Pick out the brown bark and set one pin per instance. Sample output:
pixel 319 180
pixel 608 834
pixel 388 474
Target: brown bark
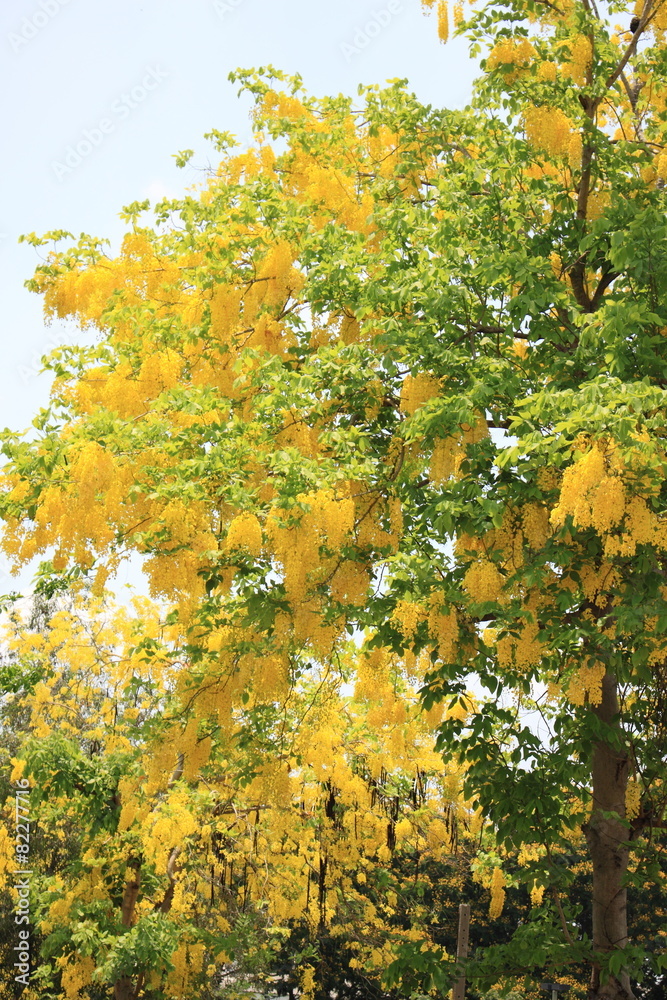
pixel 608 847
pixel 123 988
pixel 168 898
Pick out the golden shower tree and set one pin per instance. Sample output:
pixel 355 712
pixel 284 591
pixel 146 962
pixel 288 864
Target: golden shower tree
pixel 176 844
pixel 400 377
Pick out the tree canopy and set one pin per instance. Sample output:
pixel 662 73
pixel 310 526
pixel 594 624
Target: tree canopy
pixel 384 398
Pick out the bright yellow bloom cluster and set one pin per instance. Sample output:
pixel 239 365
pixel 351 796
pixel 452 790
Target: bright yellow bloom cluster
pixel 245 533
pixel 528 853
pixel 446 459
pixel 483 581
pixel 547 70
pixel 511 52
pixel 586 682
pixel 449 452
pixel 417 390
pixel 548 130
pixel 498 883
pixel 535 522
pixel 536 894
pixel 658 21
pixel 581 55
pixel 519 525
pixel 443 20
pixel 172 824
pixel 7 855
pixel 598 581
pixel 474 433
pixel 350 583
pixel 307 978
pixel 523 651
pixel 187 961
pixel 598 201
pixel 643 527
pixel 224 306
pixel 277 104
pixel 548 478
pixel 76 974
pixel 408 615
pixel 591 496
pixel 633 796
pixel 594 495
pixel 327 522
pixel 443 627
pixel 159 371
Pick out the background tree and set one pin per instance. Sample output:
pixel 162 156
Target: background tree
pixel 402 377
pixel 174 853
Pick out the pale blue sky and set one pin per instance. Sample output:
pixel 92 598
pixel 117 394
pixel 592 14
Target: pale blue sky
pixel 145 80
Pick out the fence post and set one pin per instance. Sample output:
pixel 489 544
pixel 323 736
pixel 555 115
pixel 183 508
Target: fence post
pixel 458 993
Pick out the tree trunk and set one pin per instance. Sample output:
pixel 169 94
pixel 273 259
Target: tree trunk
pixel 124 987
pixel 607 843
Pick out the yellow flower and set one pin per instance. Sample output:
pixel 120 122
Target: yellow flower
pixel 581 55
pixel 417 390
pixel 497 893
pixel 536 894
pixel 482 581
pixel 307 978
pixel 547 71
pixel 18 769
pixel 245 533
pixel 443 20
pixel 408 615
pixel 633 795
pixel 549 130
